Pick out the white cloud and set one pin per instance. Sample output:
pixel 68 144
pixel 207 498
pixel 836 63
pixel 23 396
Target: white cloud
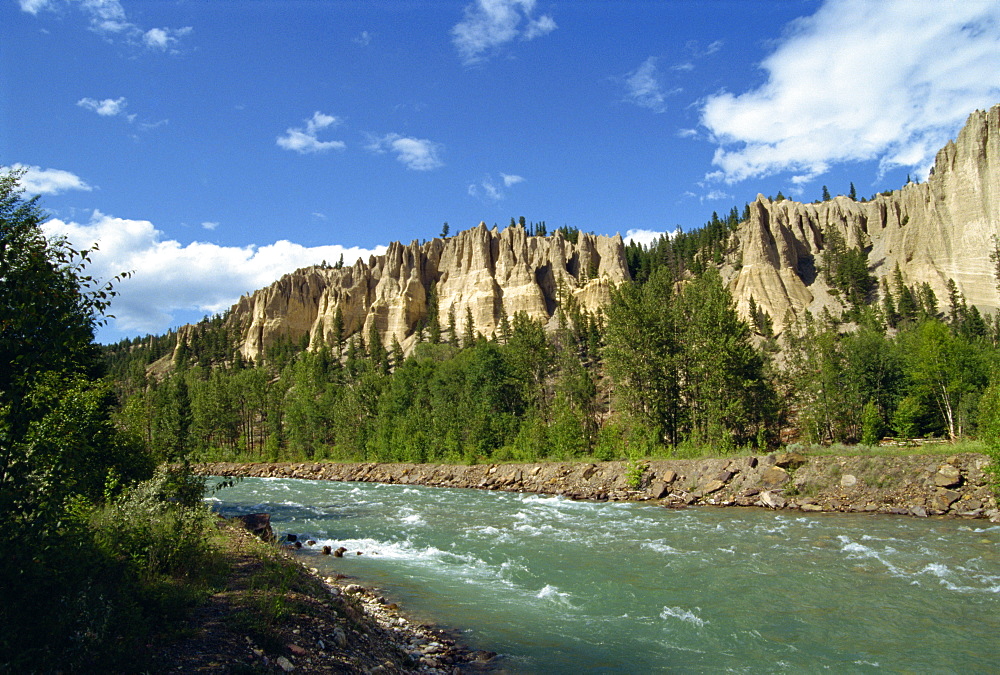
pixel 859 80
pixel 699 52
pixel 169 277
pixel 108 18
pixel 304 140
pixel 418 154
pixel 209 225
pixel 364 39
pixel 488 24
pixel 489 190
pixel 644 87
pixel 39 181
pixel 33 6
pixel 163 38
pixel 109 107
pixel 715 195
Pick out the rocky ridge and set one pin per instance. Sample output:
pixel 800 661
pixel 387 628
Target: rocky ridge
pixel 915 485
pixel 480 272
pixel 935 231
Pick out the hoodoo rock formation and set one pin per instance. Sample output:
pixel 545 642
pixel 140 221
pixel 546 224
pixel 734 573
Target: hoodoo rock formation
pixel 479 272
pixel 935 231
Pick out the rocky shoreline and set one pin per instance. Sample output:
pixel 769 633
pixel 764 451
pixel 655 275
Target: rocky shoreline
pixel 914 485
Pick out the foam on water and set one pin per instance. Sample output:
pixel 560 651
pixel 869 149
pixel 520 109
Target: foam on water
pixel 660 547
pixel 685 615
pixel 857 550
pixel 949 579
pixel 553 594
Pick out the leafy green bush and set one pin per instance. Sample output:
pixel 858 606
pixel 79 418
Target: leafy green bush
pixel 989 429
pixel 157 526
pixel 635 471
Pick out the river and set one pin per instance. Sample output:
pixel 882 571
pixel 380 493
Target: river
pixel 560 586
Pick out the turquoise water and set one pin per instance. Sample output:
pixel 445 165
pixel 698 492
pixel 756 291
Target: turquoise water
pixel 557 586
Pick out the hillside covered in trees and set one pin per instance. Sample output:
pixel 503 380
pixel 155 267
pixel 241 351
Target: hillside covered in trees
pixel 667 367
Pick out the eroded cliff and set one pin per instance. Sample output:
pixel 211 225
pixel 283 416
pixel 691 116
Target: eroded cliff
pixel 482 272
pixel 935 231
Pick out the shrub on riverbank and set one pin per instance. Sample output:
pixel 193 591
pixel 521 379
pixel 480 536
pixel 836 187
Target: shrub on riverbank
pixel 122 573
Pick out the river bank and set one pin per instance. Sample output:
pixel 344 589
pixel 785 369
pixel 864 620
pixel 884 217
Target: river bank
pixel 913 485
pixel 274 614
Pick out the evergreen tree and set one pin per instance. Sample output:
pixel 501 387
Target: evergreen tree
pixel 397 352
pixel 452 327
pixel 376 350
pixel 642 353
pixel 433 322
pixel 469 333
pixel 503 326
pixel 338 332
pixel 906 303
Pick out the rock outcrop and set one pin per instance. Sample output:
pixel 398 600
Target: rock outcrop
pixel 479 272
pixel 935 231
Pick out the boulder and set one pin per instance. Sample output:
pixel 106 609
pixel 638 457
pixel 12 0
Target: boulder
pixel 772 500
pixel 948 476
pixel 789 460
pixel 774 477
pixel 712 486
pixel 848 480
pixel 943 499
pixel 257 523
pixel 658 490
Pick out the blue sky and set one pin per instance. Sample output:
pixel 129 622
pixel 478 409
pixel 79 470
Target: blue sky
pixel 213 146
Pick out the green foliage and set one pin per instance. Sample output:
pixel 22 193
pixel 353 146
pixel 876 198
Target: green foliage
pixel 635 472
pixel 683 252
pixel 989 428
pixel 944 370
pixel 684 362
pixel 846 269
pixel 60 455
pixel 159 526
pixel 871 424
